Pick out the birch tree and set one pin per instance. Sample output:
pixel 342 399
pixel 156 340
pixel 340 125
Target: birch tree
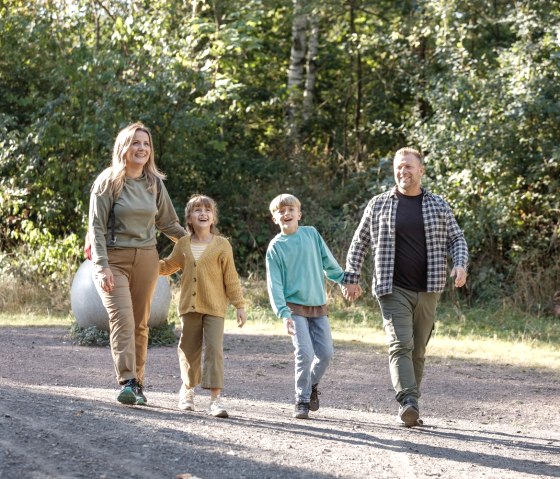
pixel 311 67
pixel 296 69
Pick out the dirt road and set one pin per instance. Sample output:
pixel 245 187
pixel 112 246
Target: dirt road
pixel 59 417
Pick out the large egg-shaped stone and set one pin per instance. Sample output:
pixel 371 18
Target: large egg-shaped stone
pixel 88 308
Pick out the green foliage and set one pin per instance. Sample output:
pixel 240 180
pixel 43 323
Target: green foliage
pixel 492 135
pixel 498 321
pixel 44 261
pixel 473 84
pixel 161 335
pixel 88 336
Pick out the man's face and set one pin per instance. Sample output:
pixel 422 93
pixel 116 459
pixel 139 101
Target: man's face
pixel 408 174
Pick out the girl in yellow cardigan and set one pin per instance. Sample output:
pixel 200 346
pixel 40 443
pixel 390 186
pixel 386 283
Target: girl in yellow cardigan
pixel 209 282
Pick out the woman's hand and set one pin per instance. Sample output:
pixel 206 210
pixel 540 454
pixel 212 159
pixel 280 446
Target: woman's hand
pixel 106 280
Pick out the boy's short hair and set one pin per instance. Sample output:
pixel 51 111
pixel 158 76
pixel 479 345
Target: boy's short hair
pixel 282 200
pixel 410 151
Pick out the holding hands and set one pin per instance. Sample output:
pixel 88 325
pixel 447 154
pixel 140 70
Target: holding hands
pixel 351 292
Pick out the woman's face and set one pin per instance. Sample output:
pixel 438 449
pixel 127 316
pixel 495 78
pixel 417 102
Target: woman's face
pixel 139 151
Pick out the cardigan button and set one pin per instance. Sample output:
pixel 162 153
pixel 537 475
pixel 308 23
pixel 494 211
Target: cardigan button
pixel 194 294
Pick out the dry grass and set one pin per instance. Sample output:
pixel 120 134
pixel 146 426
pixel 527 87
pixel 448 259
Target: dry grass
pixel 20 298
pixel 35 320
pixel 471 348
pixel 535 285
pixel 474 337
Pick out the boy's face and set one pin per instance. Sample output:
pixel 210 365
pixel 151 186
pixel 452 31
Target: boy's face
pixel 287 217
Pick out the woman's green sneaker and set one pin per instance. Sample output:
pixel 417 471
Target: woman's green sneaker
pixel 130 395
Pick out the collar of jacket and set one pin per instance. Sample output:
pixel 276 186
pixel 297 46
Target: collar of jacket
pixel 393 192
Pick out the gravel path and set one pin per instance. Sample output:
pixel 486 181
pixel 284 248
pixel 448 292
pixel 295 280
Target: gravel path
pixel 59 417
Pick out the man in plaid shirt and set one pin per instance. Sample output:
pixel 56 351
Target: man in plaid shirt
pixel 411 232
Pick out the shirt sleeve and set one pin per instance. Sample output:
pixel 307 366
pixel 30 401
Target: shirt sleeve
pixel 275 285
pixel 332 269
pixel 167 220
pixel 456 243
pixel 359 246
pixel 100 205
pixel 232 284
pixel 173 263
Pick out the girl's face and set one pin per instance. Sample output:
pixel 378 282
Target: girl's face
pixel 201 217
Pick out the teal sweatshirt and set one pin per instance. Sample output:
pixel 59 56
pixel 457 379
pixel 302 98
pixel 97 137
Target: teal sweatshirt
pixel 296 266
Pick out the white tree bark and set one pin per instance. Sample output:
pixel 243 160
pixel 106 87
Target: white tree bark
pixel 297 64
pixel 311 73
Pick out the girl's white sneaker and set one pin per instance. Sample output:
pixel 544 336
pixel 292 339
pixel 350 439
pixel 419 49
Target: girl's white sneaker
pixel 186 398
pixel 216 408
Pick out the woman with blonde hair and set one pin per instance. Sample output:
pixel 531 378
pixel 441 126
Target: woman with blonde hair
pixel 128 203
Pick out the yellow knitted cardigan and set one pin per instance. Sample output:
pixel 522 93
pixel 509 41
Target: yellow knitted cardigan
pixel 209 284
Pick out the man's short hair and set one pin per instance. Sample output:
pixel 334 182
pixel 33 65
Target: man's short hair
pixel 410 151
pixel 282 200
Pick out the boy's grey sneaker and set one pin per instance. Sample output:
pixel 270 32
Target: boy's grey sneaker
pixel 129 393
pixel 419 422
pixel 301 410
pixel 186 398
pixel 409 414
pixel 314 400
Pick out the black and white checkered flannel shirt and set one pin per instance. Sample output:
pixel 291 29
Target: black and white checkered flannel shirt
pixel 377 230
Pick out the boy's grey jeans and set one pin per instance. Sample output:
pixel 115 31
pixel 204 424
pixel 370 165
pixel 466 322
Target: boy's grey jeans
pixel 408 320
pixel 313 351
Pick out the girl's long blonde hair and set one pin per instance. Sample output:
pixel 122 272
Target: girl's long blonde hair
pixel 114 176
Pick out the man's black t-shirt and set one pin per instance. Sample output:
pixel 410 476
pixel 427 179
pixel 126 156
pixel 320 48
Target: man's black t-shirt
pixel 411 259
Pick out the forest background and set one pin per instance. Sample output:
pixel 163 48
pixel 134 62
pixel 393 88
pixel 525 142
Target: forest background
pixel 249 99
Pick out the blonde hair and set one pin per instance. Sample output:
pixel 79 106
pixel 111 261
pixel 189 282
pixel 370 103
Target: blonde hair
pixel 282 200
pixel 206 202
pixel 114 176
pixel 410 151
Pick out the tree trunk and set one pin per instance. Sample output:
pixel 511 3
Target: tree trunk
pixel 311 74
pixel 296 69
pixel 358 81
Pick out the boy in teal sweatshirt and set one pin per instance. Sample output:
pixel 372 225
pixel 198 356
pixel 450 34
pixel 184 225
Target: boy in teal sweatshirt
pixel 297 261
